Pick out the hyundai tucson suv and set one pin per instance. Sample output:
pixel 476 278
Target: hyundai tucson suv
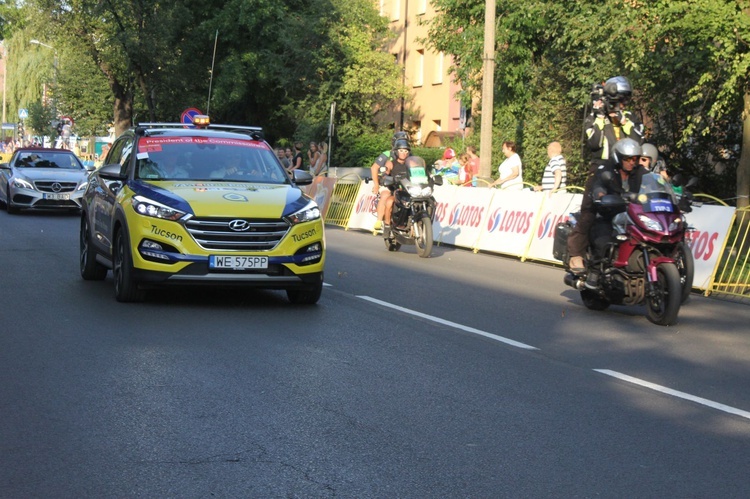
pixel 210 205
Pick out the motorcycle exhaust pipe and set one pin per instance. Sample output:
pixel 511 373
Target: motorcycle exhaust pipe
pixel 574 281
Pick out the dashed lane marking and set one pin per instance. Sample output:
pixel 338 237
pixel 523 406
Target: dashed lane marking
pixel 675 393
pixel 450 324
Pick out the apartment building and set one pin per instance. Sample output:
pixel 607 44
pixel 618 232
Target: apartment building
pixel 433 105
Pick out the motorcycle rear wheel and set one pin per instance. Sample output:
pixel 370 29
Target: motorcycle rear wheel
pixel 663 305
pixel 683 259
pixel 424 241
pixel 593 301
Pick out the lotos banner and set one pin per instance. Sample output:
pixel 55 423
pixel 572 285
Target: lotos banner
pixel 522 223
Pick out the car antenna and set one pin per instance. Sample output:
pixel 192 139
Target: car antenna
pixel 211 80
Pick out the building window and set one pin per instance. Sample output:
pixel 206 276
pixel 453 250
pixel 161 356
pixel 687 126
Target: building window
pixel 438 125
pixel 396 10
pixel 421 7
pixel 437 77
pixel 417 127
pixel 419 69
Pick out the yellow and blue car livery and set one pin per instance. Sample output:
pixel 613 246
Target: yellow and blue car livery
pixel 248 225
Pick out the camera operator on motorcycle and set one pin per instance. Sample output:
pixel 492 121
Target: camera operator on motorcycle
pixel 378 169
pixel 623 174
pixel 608 123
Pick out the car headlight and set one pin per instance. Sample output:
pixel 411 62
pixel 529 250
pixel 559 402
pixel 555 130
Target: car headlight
pixel 82 186
pixel 307 214
pixel 150 208
pixel 650 223
pixel 20 183
pixel 417 191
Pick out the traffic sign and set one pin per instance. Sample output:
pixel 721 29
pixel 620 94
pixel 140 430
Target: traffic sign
pixel 188 115
pixel 23 113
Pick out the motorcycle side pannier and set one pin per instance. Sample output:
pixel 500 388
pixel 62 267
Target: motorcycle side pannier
pixel 560 244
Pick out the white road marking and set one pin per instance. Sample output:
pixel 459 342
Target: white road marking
pixel 675 393
pixel 450 324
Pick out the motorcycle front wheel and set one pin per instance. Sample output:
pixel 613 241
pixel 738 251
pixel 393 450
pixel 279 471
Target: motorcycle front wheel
pixel 392 245
pixel 593 301
pixel 664 300
pixel 683 259
pixel 423 227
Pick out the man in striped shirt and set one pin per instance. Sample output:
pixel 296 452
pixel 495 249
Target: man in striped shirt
pixel 555 173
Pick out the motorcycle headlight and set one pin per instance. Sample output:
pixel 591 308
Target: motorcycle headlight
pixel 20 183
pixel 417 191
pixel 675 225
pixel 307 214
pixel 650 223
pixel 150 208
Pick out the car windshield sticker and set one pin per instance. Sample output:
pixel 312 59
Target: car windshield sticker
pixel 142 155
pixel 152 144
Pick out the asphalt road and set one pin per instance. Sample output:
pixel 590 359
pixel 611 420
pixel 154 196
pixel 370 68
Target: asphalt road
pixel 490 380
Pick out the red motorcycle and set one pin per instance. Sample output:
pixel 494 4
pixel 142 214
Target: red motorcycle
pixel 645 259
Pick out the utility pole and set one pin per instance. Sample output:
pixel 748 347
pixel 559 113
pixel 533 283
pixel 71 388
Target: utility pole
pixel 488 89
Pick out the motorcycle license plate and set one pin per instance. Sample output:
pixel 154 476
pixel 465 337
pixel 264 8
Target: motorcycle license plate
pixel 660 206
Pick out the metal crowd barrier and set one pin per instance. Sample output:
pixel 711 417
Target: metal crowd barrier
pixel 732 273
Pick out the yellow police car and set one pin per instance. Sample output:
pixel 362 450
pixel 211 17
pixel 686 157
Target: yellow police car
pixel 207 205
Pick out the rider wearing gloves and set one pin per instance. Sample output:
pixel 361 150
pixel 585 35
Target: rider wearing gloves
pixel 608 123
pixel 621 175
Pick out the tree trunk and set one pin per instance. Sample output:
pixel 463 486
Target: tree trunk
pixel 123 112
pixel 743 168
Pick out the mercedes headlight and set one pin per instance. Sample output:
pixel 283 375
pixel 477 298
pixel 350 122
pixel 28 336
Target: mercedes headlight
pixel 307 214
pixel 149 208
pixel 20 183
pixel 650 223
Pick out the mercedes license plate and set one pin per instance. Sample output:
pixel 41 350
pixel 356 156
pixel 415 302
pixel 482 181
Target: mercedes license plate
pixel 56 197
pixel 238 262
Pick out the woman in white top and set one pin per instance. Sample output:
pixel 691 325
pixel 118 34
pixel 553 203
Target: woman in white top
pixel 322 159
pixel 510 171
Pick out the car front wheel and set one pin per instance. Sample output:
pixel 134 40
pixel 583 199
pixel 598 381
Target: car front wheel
pixel 126 287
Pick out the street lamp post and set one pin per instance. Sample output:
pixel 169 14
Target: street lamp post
pixel 54 65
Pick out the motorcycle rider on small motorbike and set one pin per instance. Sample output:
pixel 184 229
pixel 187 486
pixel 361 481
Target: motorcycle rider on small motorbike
pixel 394 167
pixel 621 175
pixel 378 169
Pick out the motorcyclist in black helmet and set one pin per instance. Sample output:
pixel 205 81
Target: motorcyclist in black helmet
pixel 608 123
pixel 394 167
pixel 378 169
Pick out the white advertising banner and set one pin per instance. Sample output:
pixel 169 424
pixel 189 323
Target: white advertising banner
pixel 365 203
pixel 712 225
pixel 509 224
pixel 459 214
pixel 554 210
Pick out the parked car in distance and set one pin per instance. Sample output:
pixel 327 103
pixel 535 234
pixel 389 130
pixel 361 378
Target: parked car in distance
pixel 210 205
pixel 38 178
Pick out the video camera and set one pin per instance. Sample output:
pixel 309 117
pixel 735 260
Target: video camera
pixel 612 100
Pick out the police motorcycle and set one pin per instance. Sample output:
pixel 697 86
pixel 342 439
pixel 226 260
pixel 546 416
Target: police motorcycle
pixel 643 261
pixel 413 207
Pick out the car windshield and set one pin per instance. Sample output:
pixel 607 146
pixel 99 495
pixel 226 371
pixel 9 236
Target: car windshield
pixel 207 158
pixel 42 159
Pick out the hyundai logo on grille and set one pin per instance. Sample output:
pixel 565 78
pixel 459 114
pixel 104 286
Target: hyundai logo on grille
pixel 56 187
pixel 239 225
